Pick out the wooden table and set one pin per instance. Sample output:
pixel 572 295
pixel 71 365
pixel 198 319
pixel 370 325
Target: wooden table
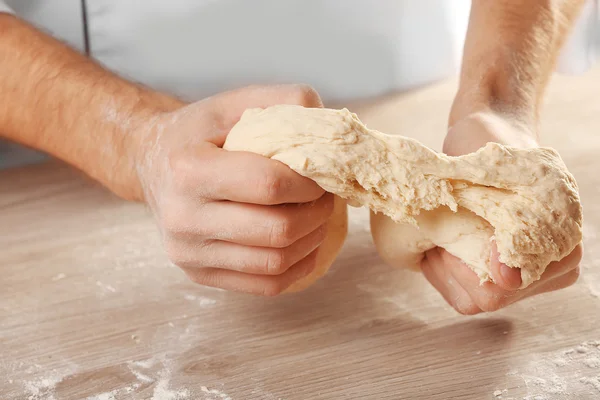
pixel 91 307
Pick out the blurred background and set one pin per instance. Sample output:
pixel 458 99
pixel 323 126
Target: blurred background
pixel 331 45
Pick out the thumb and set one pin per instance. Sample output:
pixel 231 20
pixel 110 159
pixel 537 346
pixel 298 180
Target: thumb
pixel 467 136
pixel 504 276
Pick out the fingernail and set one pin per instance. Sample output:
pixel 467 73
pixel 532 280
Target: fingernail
pixel 512 276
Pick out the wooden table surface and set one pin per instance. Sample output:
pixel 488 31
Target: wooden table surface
pixel 91 308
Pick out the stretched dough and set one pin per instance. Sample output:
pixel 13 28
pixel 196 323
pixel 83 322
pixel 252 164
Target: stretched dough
pixel 524 199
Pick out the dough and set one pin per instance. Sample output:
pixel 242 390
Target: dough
pixel 524 199
pixel 337 228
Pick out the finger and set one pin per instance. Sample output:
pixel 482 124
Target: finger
pixel 435 272
pixel 547 285
pixel 247 259
pixel 264 285
pixel 567 264
pixel 213 173
pixel 558 275
pixel 558 268
pixel 233 103
pixel 250 224
pixel 504 276
pixel 558 283
pixel 487 296
pixel 491 297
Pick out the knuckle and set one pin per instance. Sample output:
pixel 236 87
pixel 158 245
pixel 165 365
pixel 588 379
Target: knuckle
pixel 175 252
pixel 281 234
pixel 276 262
pixel 200 276
pixel 272 187
pixel 172 220
pixel 178 220
pixel 184 255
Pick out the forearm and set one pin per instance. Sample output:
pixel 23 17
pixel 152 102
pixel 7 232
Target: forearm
pixel 509 55
pixel 58 101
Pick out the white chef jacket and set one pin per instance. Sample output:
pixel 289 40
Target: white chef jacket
pixel 346 49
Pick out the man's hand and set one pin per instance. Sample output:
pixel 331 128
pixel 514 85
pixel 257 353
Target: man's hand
pixel 457 283
pixel 232 220
pixel 510 51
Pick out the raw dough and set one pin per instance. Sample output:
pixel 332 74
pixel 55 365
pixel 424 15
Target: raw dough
pixel 337 228
pixel 524 199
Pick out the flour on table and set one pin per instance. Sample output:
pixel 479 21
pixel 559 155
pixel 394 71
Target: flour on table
pixel 202 301
pixel 106 287
pixel 140 376
pixel 592 381
pixel 162 390
pixel 42 388
pixel 115 394
pixel 549 377
pixel 214 394
pixel 58 277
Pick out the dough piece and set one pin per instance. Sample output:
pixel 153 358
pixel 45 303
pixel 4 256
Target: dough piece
pixel 524 199
pixel 337 229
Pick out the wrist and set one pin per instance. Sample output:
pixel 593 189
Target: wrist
pixel 134 139
pixel 487 98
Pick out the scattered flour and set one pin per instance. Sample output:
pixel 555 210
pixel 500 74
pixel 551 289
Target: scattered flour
pixel 592 362
pixel 203 301
pixel 143 377
pixel 106 287
pixel 498 393
pixel 593 381
pixel 144 363
pixel 59 277
pixel 215 394
pixel 162 391
pixel 560 361
pixel 114 394
pixel 103 396
pixel 553 385
pixel 560 374
pixel 42 389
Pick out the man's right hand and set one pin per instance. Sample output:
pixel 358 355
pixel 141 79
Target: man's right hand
pixel 233 220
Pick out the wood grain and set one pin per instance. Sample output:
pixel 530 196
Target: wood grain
pixel 90 306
